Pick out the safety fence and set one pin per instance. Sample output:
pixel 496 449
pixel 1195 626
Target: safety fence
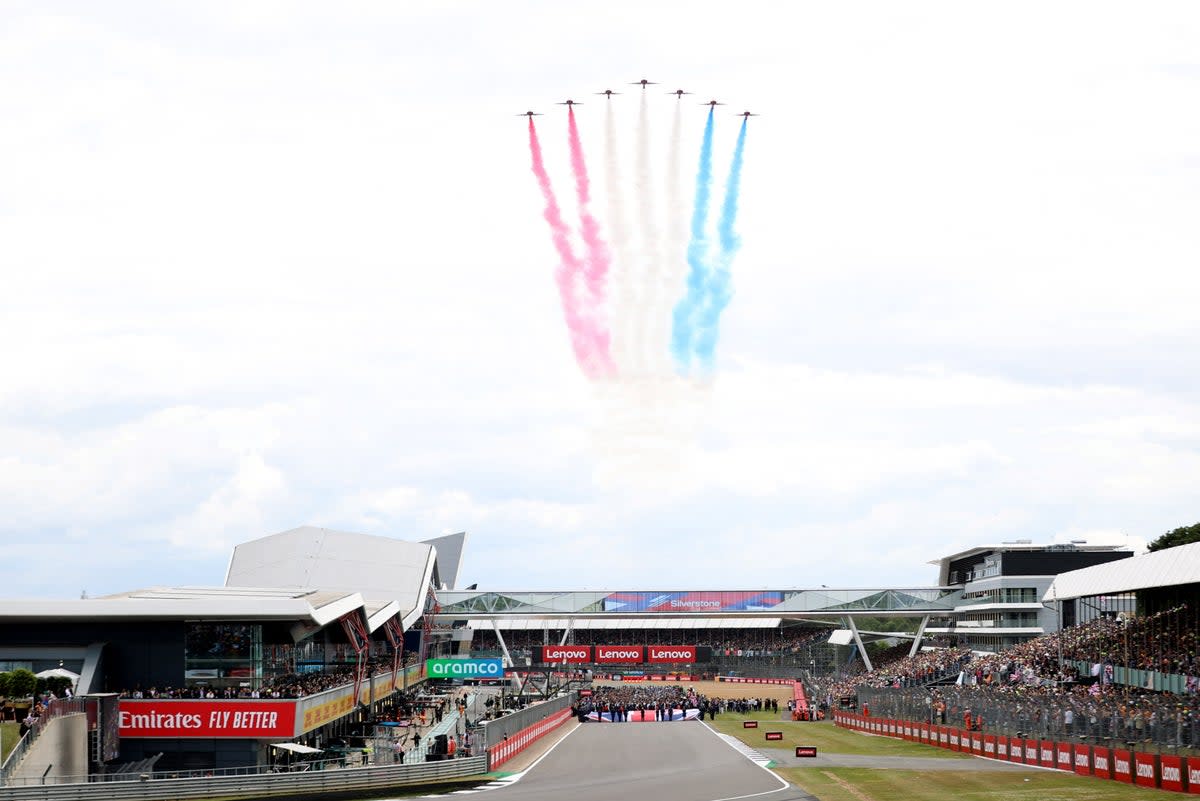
pixel 55 709
pixel 1154 722
pixel 507 725
pixel 1143 679
pixel 365 780
pixel 510 746
pixel 1127 765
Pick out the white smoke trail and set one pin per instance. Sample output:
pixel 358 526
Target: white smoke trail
pixel 674 264
pixel 621 274
pixel 651 277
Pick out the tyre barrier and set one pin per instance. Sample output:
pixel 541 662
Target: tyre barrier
pixel 1162 771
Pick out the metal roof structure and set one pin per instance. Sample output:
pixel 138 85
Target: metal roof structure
pixel 382 569
pixel 1166 568
pixel 313 607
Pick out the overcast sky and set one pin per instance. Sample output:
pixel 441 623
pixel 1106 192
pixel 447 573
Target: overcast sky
pixel 268 264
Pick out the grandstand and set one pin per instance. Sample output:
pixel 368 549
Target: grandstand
pixel 329 628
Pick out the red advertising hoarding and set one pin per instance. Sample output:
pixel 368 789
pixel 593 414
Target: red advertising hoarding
pixel 1102 762
pixel 1083 759
pixel 572 654
pixel 619 654
pixel 1171 768
pixel 1122 765
pixel 1143 770
pixel 670 653
pixel 1193 773
pixel 170 718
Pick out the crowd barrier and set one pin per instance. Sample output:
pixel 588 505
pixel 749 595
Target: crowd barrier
pixel 744 680
pixel 1166 772
pixel 512 745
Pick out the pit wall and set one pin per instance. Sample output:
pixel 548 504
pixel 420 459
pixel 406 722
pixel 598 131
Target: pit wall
pixel 514 744
pixel 1162 771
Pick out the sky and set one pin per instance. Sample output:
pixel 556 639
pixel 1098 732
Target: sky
pixel 271 264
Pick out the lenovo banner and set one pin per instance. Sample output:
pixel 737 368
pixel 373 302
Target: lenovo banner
pixel 616 654
pixel 670 653
pixel 170 718
pixel 575 654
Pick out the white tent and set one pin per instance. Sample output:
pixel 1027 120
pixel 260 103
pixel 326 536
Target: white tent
pixel 63 672
pixel 296 748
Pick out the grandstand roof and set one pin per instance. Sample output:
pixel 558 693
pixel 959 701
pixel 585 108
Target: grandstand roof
pixel 314 607
pixel 1166 568
pixel 381 568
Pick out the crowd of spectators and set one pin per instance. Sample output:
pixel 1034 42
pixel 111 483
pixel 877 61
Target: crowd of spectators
pixel 724 642
pixel 281 685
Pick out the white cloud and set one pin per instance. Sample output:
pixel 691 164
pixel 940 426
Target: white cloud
pixel 265 267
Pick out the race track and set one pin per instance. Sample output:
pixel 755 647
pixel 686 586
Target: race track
pixel 650 761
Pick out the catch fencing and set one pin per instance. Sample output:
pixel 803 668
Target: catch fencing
pixel 1155 723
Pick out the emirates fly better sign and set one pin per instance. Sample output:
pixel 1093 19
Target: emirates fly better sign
pixel 491 668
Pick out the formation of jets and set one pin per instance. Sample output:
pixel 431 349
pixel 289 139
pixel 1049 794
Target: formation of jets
pixel 608 93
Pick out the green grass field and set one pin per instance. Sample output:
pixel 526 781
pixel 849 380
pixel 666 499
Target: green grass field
pixel 9 734
pixel 890 784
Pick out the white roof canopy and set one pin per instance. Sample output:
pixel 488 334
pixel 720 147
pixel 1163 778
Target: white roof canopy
pixel 1167 568
pixel 296 748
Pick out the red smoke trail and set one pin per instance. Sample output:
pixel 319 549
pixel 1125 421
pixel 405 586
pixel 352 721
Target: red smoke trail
pixel 598 255
pixel 590 345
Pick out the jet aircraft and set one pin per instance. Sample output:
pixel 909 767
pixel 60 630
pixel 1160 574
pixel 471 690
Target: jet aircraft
pixel 529 114
pixel 608 93
pixel 713 103
pixel 642 83
pixel 679 93
pixel 747 114
pixel 569 102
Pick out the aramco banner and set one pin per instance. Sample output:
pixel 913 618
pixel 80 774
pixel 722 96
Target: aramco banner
pixel 492 668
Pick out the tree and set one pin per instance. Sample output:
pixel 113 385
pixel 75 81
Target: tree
pixel 22 683
pixel 5 684
pixel 1180 536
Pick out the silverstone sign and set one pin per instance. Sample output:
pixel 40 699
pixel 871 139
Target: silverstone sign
pixel 492 668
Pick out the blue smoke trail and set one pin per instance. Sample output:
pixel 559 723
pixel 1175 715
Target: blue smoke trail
pixel 717 292
pixel 697 257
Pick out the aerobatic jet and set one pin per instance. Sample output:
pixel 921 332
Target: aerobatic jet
pixel 608 93
pixel 642 83
pixel 746 114
pixel 679 93
pixel 529 114
pixel 713 103
pixel 569 102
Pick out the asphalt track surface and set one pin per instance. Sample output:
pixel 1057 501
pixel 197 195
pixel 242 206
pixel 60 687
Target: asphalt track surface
pixel 650 761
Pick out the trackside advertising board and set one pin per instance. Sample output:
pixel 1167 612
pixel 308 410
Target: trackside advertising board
pixel 490 668
pixel 200 718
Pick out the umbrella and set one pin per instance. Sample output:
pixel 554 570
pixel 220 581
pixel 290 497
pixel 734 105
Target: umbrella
pixel 63 672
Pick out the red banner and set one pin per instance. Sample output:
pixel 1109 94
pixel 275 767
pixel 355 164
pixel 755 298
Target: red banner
pixel 1064 756
pixel 1193 774
pixel 1002 748
pixel 1172 773
pixel 1047 754
pixel 1143 770
pixel 567 653
pixel 617 654
pixel 1083 759
pixel 1122 765
pixel 1102 762
pixel 1031 752
pixel 169 718
pixel 670 653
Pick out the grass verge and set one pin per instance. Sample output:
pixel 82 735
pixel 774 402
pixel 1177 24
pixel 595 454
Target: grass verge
pixel 868 784
pixel 826 737
pixel 10 734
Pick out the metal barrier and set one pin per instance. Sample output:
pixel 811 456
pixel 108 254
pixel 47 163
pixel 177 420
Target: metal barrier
pixel 1154 723
pixel 57 708
pixel 495 730
pixel 282 785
